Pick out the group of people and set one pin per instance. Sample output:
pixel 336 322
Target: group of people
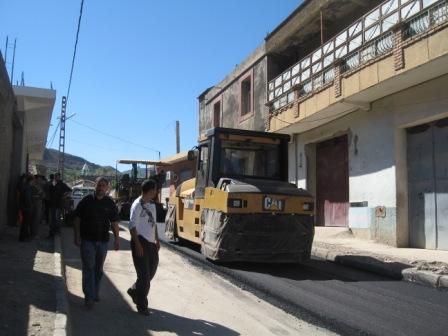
pixel 38 199
pixel 95 215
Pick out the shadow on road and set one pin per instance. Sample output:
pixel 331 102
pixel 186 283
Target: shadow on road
pixel 26 283
pixel 115 314
pixel 167 322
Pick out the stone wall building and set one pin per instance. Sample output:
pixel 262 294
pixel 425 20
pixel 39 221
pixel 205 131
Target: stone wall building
pixel 361 88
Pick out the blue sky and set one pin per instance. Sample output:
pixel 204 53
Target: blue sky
pixel 140 64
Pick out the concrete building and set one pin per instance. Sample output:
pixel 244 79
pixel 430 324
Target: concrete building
pixel 25 114
pixel 361 88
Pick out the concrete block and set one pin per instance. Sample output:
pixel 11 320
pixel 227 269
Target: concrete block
pixel 416 54
pixel 421 277
pixel 437 45
pixel 443 282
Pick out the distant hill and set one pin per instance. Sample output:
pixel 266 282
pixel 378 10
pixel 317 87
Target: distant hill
pixel 73 165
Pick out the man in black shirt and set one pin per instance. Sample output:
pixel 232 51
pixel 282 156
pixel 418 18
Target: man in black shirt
pixel 95 215
pixel 57 193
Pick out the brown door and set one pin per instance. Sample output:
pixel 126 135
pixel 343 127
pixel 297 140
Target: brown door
pixel 332 182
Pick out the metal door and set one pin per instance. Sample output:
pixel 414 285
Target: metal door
pixel 332 182
pixel 421 187
pixel 428 185
pixel 441 177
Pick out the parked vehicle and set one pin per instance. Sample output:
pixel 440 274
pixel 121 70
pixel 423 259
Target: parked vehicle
pixel 78 193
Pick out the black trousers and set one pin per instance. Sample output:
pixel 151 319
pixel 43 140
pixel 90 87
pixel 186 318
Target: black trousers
pixel 146 268
pixel 25 228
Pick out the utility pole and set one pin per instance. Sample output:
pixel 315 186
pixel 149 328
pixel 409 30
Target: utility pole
pixel 177 137
pixel 62 138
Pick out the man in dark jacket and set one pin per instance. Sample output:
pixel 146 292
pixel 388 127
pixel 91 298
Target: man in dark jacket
pixel 95 215
pixel 27 207
pixel 57 204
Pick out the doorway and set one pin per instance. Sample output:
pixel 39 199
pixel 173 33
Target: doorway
pixel 332 190
pixel 427 158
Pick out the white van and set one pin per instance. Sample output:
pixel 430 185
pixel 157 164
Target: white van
pixel 78 193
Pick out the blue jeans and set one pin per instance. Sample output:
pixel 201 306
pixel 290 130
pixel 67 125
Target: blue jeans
pixel 93 254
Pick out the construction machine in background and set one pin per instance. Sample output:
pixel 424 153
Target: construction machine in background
pixel 128 186
pixel 241 206
pixel 180 170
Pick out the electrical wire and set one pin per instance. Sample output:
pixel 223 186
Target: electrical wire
pixel 54 134
pixel 113 136
pixel 74 52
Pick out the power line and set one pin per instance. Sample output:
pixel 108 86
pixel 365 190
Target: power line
pixel 74 52
pixel 115 137
pixel 54 134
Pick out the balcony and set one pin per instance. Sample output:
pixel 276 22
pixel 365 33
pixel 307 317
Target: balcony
pixel 368 40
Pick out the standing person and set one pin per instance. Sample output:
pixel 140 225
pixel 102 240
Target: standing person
pixel 38 196
pixel 27 208
pixel 18 204
pixel 57 200
pixel 48 186
pixel 144 244
pixel 94 216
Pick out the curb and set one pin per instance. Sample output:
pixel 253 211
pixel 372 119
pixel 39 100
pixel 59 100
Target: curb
pixel 62 322
pixel 393 269
pixel 426 278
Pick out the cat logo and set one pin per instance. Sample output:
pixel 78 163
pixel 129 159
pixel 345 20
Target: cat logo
pixel 273 204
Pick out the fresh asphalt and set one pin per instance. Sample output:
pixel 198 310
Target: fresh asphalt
pixel 347 301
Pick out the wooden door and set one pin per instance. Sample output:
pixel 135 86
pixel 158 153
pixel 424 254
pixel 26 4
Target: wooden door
pixel 332 192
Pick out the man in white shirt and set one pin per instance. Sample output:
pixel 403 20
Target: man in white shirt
pixel 144 244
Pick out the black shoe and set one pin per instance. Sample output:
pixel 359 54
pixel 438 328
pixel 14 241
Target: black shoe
pixel 145 311
pixel 132 293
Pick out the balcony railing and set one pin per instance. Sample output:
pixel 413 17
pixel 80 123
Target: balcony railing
pixel 366 39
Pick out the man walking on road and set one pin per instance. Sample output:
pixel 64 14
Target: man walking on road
pixel 57 199
pixel 95 214
pixel 144 244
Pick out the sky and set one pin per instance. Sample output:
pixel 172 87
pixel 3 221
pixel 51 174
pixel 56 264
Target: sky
pixel 140 65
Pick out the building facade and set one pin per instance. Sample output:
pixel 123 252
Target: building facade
pixel 25 114
pixel 361 89
pixel 11 134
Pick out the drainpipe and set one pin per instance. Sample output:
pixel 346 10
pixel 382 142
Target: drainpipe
pixel 296 156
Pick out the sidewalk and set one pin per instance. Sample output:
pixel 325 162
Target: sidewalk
pixel 427 267
pixel 28 284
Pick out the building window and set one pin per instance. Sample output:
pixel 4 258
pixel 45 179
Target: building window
pixel 246 96
pixel 217 114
